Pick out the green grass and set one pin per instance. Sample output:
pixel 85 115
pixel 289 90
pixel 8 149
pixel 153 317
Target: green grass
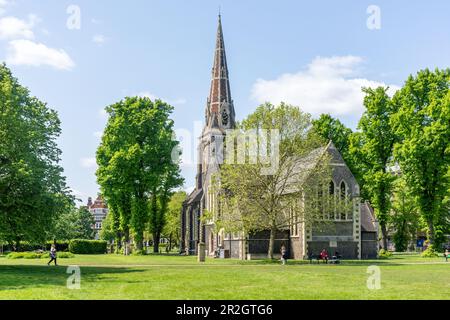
pixel 177 277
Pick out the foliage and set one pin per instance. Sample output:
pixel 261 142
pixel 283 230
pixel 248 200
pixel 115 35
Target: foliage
pixel 33 191
pixel 107 232
pixel 251 201
pixel 430 252
pixel 136 169
pixel 422 124
pixel 373 146
pixel 384 254
pixel 333 129
pixel 172 229
pixel 74 223
pixel 38 255
pixel 80 246
pixel 405 218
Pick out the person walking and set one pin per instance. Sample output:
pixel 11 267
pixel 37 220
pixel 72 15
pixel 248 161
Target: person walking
pixel 52 255
pixel 283 254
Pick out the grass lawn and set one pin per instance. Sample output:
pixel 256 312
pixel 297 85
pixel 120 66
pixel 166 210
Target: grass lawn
pixel 178 277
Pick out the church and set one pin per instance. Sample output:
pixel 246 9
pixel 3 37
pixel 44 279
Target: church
pixel 353 234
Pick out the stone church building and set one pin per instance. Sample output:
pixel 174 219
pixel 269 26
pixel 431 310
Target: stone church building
pixel 352 234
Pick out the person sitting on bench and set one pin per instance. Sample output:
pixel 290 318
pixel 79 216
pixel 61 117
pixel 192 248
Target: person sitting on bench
pixel 335 258
pixel 324 256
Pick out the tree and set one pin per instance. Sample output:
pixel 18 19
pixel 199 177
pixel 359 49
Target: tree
pixel 422 122
pixel 373 147
pixel 172 229
pixel 332 129
pixel 250 201
pixel 405 218
pixel 33 191
pixel 108 231
pixel 75 223
pixel 136 171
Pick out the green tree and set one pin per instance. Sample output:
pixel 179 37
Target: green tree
pixel 172 229
pixel 373 147
pixel 405 220
pixel 108 231
pixel 333 129
pixel 75 223
pixel 33 191
pixel 136 172
pixel 423 124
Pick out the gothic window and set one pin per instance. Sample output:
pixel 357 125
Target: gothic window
pixel 343 188
pixel 225 117
pixel 332 206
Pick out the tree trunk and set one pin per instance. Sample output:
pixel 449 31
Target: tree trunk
pixel 271 243
pixel 430 231
pixel 156 239
pixel 139 239
pixel 170 242
pixel 127 240
pixel 384 236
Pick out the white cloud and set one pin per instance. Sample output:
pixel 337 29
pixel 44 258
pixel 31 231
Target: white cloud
pixel 15 28
pixel 169 101
pixel 88 163
pixel 29 53
pixel 99 39
pixel 3 5
pixel 327 85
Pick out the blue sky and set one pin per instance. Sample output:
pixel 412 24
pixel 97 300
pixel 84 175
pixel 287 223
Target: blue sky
pixel 313 54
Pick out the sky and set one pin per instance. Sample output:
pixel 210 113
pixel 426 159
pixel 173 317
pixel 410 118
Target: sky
pixel 80 56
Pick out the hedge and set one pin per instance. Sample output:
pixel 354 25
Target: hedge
pixel 79 246
pixel 26 246
pixel 37 255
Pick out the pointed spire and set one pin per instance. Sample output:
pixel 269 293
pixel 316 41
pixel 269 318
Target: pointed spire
pixel 220 92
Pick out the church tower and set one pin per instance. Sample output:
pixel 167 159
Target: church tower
pixel 219 111
pixel 219 117
pixel 219 114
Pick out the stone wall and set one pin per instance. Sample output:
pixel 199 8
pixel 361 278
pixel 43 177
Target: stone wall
pixel 369 249
pixel 258 243
pixel 333 228
pixel 347 249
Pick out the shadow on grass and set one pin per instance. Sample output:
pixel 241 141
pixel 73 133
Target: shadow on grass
pixel 27 276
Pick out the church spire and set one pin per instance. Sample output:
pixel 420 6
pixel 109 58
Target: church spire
pixel 220 111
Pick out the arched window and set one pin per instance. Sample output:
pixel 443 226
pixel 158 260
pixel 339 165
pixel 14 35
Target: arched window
pixel 343 188
pixel 331 189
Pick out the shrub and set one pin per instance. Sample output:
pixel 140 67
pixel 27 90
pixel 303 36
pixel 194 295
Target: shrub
pixel 139 253
pixel 384 254
pixel 37 255
pixel 29 247
pixel 79 246
pixel 60 245
pixel 430 252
